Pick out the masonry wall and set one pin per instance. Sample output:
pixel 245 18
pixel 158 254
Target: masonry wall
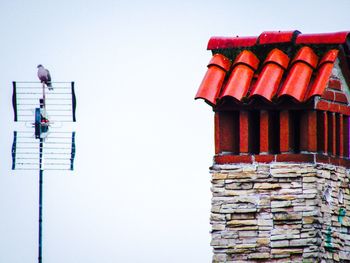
pixel 280 212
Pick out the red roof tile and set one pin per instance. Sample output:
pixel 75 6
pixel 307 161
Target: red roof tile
pixel 241 76
pixel 299 74
pixel 271 75
pixel 214 78
pixel 231 42
pixel 323 73
pixel 271 66
pixel 329 57
pixel 275 37
pixel 272 37
pixel 324 38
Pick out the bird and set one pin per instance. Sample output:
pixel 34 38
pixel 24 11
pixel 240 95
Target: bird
pixel 44 76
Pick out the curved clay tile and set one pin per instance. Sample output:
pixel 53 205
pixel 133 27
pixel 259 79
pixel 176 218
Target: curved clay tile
pixel 330 56
pixel 212 82
pixel 279 57
pixel 244 66
pixel 307 55
pixel 247 57
pixel 270 77
pixel 323 73
pixel 299 75
pixel 230 42
pixel 273 37
pixel 324 38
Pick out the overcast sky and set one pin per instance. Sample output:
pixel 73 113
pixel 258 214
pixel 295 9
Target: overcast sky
pixel 140 191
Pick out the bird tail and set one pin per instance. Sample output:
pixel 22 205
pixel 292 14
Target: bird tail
pixel 49 85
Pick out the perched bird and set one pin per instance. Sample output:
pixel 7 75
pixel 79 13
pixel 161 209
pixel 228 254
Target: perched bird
pixel 44 76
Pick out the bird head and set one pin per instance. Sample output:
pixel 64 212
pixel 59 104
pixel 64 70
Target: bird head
pixel 40 66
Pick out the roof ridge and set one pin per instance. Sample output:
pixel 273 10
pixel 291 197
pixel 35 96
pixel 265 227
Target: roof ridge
pixel 294 37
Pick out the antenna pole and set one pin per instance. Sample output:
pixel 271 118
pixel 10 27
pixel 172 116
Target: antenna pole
pixel 44 102
pixel 40 213
pixel 41 171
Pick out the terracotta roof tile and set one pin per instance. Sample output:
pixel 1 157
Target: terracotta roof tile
pixel 273 37
pixel 231 42
pixel 274 65
pixel 220 61
pixel 248 58
pixel 214 78
pixel 271 75
pixel 324 38
pixel 306 55
pixel 320 81
pixel 241 76
pixel 329 57
pixel 299 74
pixel 323 73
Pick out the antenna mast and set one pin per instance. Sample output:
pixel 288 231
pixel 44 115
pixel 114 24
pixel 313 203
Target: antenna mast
pixel 41 172
pixel 45 149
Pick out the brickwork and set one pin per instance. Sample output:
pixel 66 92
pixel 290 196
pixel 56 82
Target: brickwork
pixel 280 212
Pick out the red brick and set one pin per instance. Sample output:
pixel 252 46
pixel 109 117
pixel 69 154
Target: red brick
pixel 334 107
pixel 334 84
pixel 308 134
pixel 264 158
pixel 334 161
pixel 334 137
pixel 340 136
pixel 243 131
pixel 328 95
pixel 264 131
pixel 344 110
pixel 322 105
pixel 344 162
pixel 285 131
pixel 312 131
pixel 340 97
pixel 320 158
pixel 290 157
pixel 217 133
pixel 226 132
pixel 222 159
pixel 322 132
pixel 331 133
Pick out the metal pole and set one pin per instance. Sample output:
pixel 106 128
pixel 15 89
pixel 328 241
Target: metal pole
pixel 44 102
pixel 40 214
pixel 14 100
pixel 41 171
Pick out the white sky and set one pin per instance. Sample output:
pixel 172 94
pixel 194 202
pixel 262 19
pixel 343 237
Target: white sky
pixel 140 191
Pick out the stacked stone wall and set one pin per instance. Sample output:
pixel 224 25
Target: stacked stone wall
pixel 280 212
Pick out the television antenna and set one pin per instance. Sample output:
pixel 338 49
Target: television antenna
pixel 40 146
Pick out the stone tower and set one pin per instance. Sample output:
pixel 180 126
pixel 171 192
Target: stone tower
pixel 280 178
